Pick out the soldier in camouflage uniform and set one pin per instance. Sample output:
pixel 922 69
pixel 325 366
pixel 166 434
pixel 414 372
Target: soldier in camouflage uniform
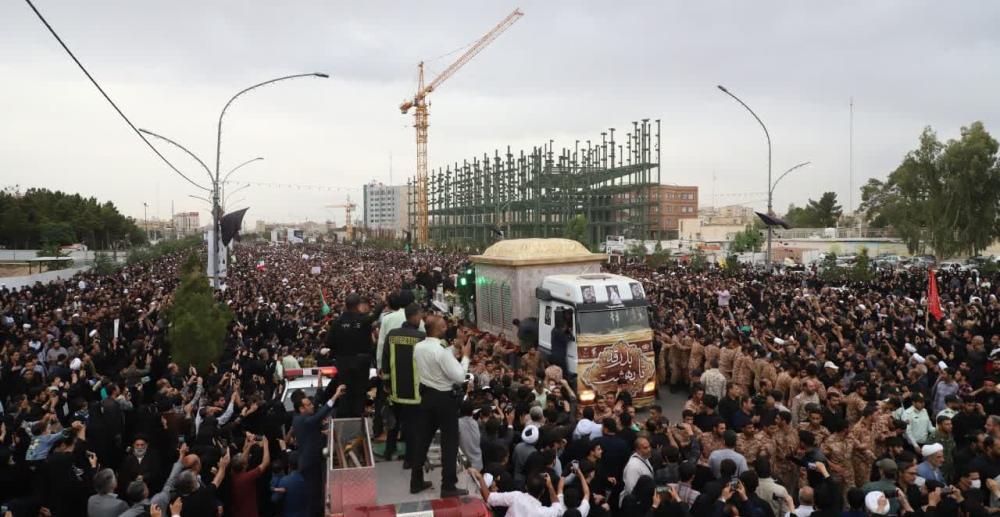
pixel 863 434
pixel 815 423
pixel 763 369
pixel 839 450
pixel 786 438
pixel 678 366
pixel 747 443
pixel 712 352
pixel 855 402
pixel 743 371
pixel 696 359
pixel 712 441
pixel 727 356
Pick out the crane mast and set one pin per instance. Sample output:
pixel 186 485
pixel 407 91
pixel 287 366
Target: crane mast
pixel 421 114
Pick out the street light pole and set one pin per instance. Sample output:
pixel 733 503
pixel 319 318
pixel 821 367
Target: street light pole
pixel 770 190
pixel 216 208
pixel 775 185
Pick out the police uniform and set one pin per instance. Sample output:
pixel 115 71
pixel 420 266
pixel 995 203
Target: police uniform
pixel 439 408
pixel 350 338
pixel 403 383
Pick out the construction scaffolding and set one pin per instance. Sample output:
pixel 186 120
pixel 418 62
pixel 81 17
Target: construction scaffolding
pixel 535 193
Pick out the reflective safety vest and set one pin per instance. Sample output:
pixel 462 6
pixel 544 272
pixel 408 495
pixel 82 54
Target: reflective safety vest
pixel 397 361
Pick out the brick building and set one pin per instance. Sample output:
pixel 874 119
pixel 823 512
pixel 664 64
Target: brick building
pixel 675 203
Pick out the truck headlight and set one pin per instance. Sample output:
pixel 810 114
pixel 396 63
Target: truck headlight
pixel 587 396
pixel 649 387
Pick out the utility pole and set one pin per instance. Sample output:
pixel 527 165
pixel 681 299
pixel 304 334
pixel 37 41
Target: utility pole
pixel 851 160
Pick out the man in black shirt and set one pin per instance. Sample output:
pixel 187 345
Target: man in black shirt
pixel 350 338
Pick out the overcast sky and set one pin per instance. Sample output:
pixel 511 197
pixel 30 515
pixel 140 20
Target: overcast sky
pixel 565 71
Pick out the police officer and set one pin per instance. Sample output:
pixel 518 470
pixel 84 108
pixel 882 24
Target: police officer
pixel 350 339
pixel 402 380
pixel 441 374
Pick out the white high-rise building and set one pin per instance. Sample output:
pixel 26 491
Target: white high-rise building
pixel 385 207
pixel 186 223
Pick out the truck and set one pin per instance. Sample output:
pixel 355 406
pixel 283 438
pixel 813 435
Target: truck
pixel 613 348
pixel 539 282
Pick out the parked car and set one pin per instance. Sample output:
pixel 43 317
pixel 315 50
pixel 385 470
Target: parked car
pixel 953 265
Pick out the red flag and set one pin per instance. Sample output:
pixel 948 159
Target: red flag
pixel 933 300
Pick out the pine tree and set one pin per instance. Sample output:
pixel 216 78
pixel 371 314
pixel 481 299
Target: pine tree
pixel 198 322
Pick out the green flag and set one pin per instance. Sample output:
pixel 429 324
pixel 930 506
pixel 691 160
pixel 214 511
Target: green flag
pixel 326 307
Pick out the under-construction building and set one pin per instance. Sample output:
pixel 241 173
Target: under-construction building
pixel 613 182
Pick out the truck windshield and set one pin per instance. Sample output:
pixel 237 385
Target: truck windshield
pixel 613 321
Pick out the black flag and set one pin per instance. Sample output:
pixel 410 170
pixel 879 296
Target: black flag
pixel 770 220
pixel 231 224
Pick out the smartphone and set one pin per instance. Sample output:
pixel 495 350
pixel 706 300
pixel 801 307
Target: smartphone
pixel 811 466
pixel 180 439
pixel 575 464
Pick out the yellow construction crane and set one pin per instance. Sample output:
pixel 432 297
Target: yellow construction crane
pixel 420 115
pixel 348 209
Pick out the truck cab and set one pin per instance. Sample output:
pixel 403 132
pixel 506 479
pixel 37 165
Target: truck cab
pixel 612 348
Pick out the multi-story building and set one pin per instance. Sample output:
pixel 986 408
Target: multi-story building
pixel 186 223
pixel 675 202
pixel 727 215
pixel 385 207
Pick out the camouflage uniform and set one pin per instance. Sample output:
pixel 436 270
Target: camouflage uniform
pixel 743 371
pixel 783 383
pixel 855 406
pixel 684 358
pixel 881 429
pixel 764 369
pixel 820 432
pixel 711 354
pixel 727 357
pixel 863 455
pixel 766 445
pixel 696 360
pixel 839 450
pixel 786 444
pixel 710 442
pixel 663 361
pixel 749 446
pixel 678 367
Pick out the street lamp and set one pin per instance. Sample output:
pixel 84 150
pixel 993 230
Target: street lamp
pixel 799 166
pixel 225 179
pixel 770 188
pixel 216 207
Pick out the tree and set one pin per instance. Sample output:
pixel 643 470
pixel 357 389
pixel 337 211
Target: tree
pixel 699 263
pixel 826 211
pixel 578 229
pixel 197 320
pixel 749 239
pixel 862 271
pixel 816 214
pixel 40 216
pixel 942 196
pixel 103 265
pixel 638 250
pixel 829 271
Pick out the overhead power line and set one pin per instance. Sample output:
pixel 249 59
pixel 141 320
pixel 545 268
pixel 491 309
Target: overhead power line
pixel 107 97
pixel 297 186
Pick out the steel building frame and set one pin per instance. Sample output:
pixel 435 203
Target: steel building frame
pixel 534 194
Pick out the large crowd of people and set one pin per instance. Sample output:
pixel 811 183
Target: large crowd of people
pixel 803 398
